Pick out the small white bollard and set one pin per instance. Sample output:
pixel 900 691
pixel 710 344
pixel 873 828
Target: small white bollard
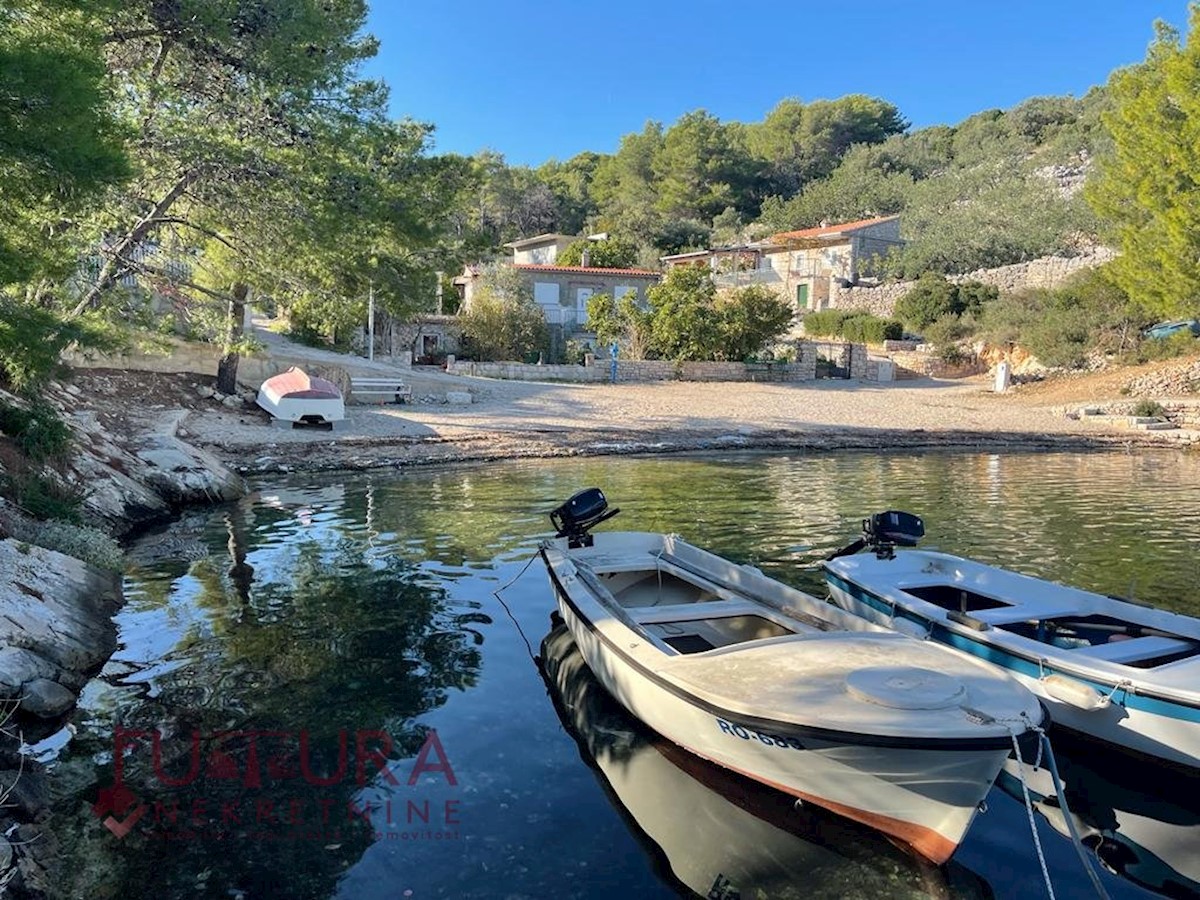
pixel 1003 377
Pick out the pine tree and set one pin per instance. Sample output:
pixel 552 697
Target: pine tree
pixel 1148 188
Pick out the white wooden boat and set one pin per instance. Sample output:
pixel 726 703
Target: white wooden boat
pixel 721 834
pixel 295 396
pixel 1117 671
pixel 902 735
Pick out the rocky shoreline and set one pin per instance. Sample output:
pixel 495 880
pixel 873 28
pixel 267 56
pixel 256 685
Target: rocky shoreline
pixel 57 629
pixel 391 453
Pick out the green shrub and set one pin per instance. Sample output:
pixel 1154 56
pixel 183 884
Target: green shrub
pixel 1154 349
pixel 1148 408
pixel 88 544
pixel 972 295
pixel 36 429
pixel 43 496
pixel 934 298
pixel 1066 325
pixel 949 330
pixel 503 322
pixel 32 340
pixel 853 325
pixel 871 330
pixel 930 299
pixel 952 354
pixel 827 322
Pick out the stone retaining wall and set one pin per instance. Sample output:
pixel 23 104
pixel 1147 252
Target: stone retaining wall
pixel 640 370
pixel 804 368
pixel 1183 414
pixel 913 364
pixel 1047 271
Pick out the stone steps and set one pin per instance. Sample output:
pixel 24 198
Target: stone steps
pixel 1166 429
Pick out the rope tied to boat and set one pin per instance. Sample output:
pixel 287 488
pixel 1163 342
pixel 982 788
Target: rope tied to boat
pixel 1046 751
pixel 496 593
pixel 1037 841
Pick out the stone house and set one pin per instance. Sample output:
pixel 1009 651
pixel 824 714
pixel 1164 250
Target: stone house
pixel 807 266
pixel 813 262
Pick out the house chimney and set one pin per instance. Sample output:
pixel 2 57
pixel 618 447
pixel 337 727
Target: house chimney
pixel 587 258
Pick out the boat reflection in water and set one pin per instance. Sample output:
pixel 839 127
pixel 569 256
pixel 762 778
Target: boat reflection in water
pixel 720 834
pixel 1140 819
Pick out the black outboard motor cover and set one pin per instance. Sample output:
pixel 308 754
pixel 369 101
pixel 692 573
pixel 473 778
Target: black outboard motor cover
pixel 895 527
pixel 579 514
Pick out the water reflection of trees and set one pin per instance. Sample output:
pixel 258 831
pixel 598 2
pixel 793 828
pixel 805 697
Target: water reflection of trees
pixel 347 643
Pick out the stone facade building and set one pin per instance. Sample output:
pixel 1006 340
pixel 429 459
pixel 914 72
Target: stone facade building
pixel 806 266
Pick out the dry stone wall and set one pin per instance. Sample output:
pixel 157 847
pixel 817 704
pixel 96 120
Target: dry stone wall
pixel 1048 271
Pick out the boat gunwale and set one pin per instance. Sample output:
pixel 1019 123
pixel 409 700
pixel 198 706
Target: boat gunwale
pixel 796 730
pixel 1057 660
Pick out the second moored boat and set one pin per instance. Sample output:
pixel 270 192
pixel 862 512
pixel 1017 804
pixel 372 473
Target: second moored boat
pixel 1117 671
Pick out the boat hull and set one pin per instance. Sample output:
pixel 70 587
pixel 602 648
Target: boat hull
pixel 1132 718
pixel 925 798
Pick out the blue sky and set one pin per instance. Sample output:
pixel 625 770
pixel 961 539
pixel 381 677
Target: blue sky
pixel 544 79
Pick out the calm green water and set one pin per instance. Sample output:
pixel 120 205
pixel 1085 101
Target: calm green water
pixel 278 653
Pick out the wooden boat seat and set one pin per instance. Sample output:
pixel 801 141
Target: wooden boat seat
pixel 683 612
pixel 1136 649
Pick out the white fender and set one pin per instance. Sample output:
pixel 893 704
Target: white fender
pixel 1076 693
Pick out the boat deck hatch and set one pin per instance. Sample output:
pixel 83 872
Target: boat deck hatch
pixel 1112 639
pixel 954 597
pixel 698 635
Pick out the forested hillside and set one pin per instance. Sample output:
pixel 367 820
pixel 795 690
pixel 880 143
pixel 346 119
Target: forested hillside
pixel 997 188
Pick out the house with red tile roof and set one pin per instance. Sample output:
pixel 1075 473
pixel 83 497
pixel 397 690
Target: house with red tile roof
pixel 812 261
pixel 563 291
pixel 805 265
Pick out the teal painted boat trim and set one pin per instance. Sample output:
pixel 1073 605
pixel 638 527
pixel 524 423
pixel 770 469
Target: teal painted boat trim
pixel 1158 706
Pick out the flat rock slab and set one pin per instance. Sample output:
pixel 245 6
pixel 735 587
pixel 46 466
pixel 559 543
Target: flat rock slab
pixel 56 607
pixel 458 397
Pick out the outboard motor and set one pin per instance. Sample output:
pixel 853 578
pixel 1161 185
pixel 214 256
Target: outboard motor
pixel 579 515
pixel 884 532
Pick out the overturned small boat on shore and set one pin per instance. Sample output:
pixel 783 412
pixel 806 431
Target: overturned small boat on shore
pixel 899 734
pixel 1120 672
pixel 294 396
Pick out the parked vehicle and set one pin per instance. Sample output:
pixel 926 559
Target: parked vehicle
pixel 1168 329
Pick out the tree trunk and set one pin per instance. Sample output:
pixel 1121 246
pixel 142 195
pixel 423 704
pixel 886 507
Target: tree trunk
pixel 228 366
pixel 110 271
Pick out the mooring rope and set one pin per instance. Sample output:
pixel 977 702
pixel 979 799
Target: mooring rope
pixel 1052 765
pixel 512 618
pixel 1037 841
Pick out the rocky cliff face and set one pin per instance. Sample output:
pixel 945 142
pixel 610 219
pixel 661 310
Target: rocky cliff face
pixel 56 627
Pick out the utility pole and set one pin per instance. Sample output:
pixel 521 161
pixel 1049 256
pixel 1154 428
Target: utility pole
pixel 370 320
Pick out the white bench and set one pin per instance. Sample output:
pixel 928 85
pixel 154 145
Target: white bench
pixel 394 388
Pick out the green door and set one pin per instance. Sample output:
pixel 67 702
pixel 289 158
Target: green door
pixel 802 296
